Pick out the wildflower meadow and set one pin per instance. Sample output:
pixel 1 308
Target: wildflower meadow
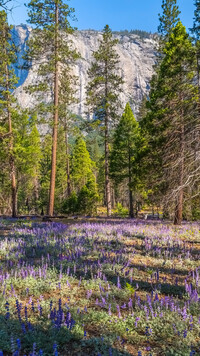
pixel 112 288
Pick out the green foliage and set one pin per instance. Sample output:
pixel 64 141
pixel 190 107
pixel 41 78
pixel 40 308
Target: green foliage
pixel 70 205
pixel 172 107
pixel 42 17
pixel 125 154
pixel 82 164
pixel 27 152
pixel 140 33
pixel 124 150
pixel 8 80
pixel 88 198
pixel 169 18
pixel 121 211
pixel 196 26
pixel 84 198
pixel 130 288
pixel 104 85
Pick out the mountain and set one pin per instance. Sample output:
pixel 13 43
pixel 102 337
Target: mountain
pixel 137 57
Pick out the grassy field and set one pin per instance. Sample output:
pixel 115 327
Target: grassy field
pixel 99 288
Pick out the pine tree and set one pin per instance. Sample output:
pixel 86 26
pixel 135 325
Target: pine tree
pixel 27 153
pixel 103 94
pixel 45 168
pixel 81 164
pixel 8 82
pixel 172 120
pixel 124 154
pixel 49 44
pixel 196 33
pixel 169 18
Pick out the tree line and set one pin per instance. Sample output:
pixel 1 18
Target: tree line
pixel 75 166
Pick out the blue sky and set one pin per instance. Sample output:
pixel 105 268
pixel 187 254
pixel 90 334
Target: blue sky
pixel 119 14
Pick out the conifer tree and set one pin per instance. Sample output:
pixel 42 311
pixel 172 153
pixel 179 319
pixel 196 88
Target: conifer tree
pixel 26 147
pixel 169 18
pixel 196 33
pixel 103 94
pixel 81 164
pixel 172 120
pixel 52 48
pixel 125 152
pixel 8 82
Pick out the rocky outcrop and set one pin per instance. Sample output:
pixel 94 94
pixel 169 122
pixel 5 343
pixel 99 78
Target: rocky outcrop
pixel 137 57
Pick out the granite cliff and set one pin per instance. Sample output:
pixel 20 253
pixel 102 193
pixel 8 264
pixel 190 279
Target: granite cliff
pixel 137 57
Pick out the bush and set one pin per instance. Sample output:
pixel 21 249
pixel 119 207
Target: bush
pixel 70 204
pixel 121 211
pixel 88 198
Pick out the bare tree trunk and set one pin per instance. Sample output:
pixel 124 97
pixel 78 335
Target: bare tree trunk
pixel 11 156
pixel 36 191
pixel 131 212
pixel 113 198
pixel 55 127
pixel 198 78
pixel 179 209
pixel 68 166
pixel 107 179
pixel 179 206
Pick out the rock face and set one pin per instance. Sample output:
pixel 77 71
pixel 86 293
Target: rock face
pixel 137 57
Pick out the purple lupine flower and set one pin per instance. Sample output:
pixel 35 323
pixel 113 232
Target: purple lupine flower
pixel 136 321
pixel 109 310
pixel 118 283
pixel 7 316
pixel 185 334
pixel 130 303
pixel 18 344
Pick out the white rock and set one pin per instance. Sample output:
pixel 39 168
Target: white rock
pixel 137 58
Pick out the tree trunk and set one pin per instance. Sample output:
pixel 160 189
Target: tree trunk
pixel 68 166
pixel 131 212
pixel 179 209
pixel 55 127
pixel 11 156
pixel 198 78
pixel 107 179
pixel 179 206
pixel 113 198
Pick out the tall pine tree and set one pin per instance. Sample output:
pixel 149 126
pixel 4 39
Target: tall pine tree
pixel 124 154
pixel 8 82
pixel 168 19
pixel 172 120
pixel 82 165
pixel 196 35
pixel 51 46
pixel 103 94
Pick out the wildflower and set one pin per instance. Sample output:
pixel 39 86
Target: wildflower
pixel 118 283
pixel 18 344
pixel 7 311
pixel 185 334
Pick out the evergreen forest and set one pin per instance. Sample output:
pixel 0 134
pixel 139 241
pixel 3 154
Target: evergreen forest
pixel 99 213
